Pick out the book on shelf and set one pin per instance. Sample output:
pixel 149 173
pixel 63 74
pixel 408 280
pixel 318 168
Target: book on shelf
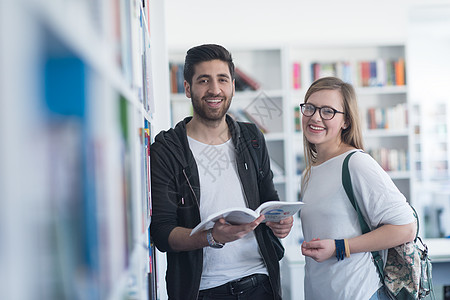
pixel 243 81
pixel 296 76
pixel 399 71
pixel 176 77
pixel 390 159
pixel 297 119
pixel 380 66
pixel 394 117
pixel 364 73
pixel 323 69
pixel 390 73
pixel 274 211
pixel 367 73
pixel 173 68
pixel 340 69
pixel 373 76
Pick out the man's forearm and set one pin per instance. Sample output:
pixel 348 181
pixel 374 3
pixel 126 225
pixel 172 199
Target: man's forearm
pixel 180 239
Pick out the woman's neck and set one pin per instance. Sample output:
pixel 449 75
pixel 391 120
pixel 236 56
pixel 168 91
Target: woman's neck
pixel 328 153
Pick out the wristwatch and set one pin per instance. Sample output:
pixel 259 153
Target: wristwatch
pixel 212 243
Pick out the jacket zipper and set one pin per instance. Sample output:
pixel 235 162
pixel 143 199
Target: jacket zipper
pixel 192 189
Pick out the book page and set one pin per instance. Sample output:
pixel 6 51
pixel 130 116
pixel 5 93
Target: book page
pixel 274 211
pixel 234 216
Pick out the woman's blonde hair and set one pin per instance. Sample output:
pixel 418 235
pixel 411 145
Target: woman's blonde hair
pixel 351 135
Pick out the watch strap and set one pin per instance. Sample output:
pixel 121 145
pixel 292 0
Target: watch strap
pixel 212 243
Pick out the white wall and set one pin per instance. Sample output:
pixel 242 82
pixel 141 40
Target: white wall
pixel 241 23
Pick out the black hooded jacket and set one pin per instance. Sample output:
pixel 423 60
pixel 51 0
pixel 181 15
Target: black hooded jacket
pixel 176 196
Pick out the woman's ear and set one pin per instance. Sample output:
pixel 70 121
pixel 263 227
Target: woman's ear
pixel 345 126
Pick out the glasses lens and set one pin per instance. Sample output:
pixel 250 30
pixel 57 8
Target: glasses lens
pixel 308 109
pixel 327 113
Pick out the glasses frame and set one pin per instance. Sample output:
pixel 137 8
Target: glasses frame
pixel 320 111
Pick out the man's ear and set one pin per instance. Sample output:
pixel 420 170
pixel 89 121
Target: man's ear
pixel 187 89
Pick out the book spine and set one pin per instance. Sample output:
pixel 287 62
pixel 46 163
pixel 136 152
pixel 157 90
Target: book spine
pixel 296 76
pixel 253 84
pixel 400 72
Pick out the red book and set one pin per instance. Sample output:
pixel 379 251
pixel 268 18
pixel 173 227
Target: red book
pixel 247 79
pixel 365 73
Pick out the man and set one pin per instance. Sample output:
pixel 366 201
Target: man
pixel 202 166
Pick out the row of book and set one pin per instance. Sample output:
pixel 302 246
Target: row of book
pixel 391 160
pixel 370 73
pixel 98 214
pixel 131 22
pixel 394 117
pixel 243 81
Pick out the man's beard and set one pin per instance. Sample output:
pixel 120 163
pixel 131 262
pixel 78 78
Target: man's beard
pixel 204 114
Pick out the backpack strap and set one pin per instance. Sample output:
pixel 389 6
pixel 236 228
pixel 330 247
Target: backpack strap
pixel 347 183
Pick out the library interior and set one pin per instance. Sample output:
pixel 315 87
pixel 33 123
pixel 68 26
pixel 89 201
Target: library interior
pixel 94 81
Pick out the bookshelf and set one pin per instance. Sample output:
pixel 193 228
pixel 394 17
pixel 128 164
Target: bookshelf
pixel 77 120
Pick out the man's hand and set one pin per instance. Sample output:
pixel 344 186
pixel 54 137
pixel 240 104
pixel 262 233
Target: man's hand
pixel 319 250
pixel 281 229
pixel 225 233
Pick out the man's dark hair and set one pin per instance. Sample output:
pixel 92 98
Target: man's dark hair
pixel 203 53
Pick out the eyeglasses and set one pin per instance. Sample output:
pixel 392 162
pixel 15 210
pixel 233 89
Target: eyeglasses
pixel 326 112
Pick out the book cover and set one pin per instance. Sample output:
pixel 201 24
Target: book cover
pixel 273 211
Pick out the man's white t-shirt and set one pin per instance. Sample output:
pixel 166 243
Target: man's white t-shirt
pixel 329 214
pixel 220 188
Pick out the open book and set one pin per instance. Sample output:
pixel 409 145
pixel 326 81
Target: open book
pixel 273 211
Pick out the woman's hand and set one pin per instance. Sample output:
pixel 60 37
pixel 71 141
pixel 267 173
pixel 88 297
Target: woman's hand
pixel 319 250
pixel 281 229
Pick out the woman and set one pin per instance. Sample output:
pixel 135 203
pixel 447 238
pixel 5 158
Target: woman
pixel 331 129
